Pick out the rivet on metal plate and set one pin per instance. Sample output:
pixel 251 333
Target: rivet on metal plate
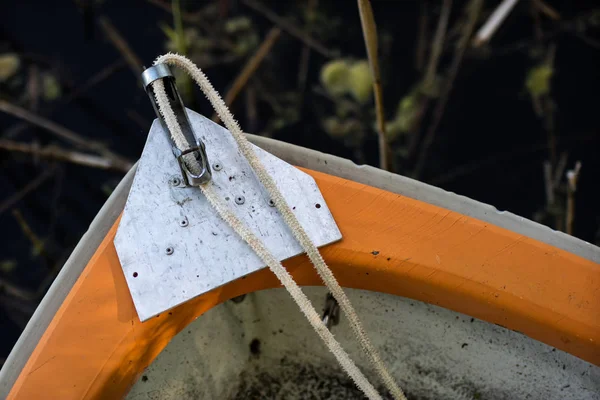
pixel 151 221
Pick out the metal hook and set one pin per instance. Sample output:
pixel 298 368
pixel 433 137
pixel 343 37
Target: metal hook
pixel 194 145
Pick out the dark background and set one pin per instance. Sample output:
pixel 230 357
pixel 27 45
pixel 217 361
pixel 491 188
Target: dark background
pixel 490 144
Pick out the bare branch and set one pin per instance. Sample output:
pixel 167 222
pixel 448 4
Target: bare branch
pixel 421 46
pixel 36 242
pixel 31 186
pixel 560 168
pixel 103 74
pixel 438 43
pixel 48 125
pixel 369 30
pixel 122 46
pixel 251 67
pixel 488 29
pixel 547 10
pixel 17 292
pixel 63 133
pixel 138 119
pixel 473 8
pixel 572 177
pixel 548 184
pixel 57 153
pixel 305 56
pixel 290 28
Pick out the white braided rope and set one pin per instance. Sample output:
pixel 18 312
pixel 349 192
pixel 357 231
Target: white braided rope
pixel 256 244
pixel 291 220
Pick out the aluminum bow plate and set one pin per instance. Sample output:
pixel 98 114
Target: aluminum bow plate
pixel 172 244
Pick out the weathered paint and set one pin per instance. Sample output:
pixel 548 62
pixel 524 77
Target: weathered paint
pixel 96 347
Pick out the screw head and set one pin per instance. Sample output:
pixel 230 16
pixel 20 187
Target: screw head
pixel 183 222
pixel 175 181
pixel 271 203
pixel 169 250
pixel 217 166
pixel 240 200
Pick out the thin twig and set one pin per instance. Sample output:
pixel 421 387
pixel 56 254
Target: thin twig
pixel 122 46
pixel 488 29
pixel 572 177
pixel 185 82
pixel 17 310
pixel 48 125
pixel 569 26
pixel 421 46
pixel 547 107
pixel 103 74
pixel 250 67
pixel 17 291
pixel 200 21
pixel 303 69
pixel 57 153
pixel 369 29
pixel 560 168
pixel 547 10
pixel 97 78
pixel 430 76
pixel 305 56
pixel 178 24
pixel 543 106
pixel 548 184
pixel 36 242
pixel 63 133
pixel 538 33
pixel 473 10
pixel 15 198
pixel 291 29
pixel 33 88
pixel 138 119
pixel 438 43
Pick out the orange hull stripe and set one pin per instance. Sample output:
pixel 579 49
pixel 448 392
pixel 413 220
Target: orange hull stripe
pixel 96 348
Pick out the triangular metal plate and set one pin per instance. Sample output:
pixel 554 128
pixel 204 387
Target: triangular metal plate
pixel 172 244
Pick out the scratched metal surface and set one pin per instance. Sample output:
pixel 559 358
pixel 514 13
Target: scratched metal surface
pixel 173 246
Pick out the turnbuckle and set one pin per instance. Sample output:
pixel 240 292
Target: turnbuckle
pixel 193 144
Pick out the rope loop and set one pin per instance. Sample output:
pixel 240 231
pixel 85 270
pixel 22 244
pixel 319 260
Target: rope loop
pixel 290 219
